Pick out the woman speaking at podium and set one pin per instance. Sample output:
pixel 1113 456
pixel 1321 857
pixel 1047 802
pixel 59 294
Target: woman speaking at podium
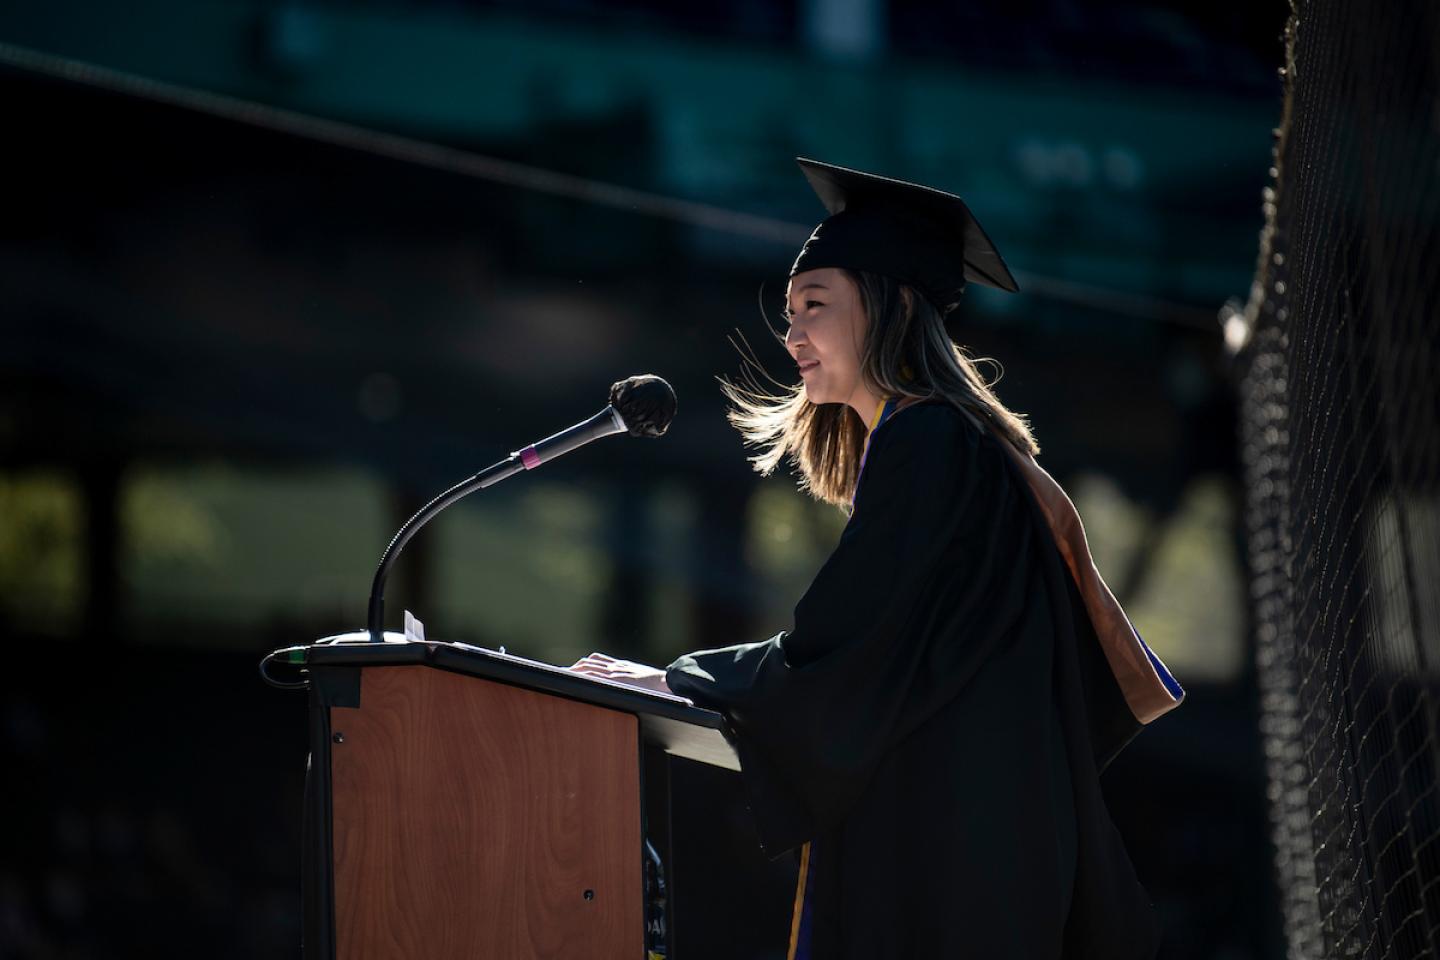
pixel 930 734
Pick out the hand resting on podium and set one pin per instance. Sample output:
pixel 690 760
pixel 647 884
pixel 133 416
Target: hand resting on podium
pixel 622 671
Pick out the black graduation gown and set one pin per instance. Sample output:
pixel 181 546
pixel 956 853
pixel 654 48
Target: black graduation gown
pixel 937 720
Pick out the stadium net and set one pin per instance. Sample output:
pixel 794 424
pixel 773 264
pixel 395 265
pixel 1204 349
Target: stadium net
pixel 1339 373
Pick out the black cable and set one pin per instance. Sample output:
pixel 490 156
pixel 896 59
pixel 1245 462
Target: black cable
pixel 296 657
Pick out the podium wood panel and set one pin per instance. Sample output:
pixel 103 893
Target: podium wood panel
pixel 470 818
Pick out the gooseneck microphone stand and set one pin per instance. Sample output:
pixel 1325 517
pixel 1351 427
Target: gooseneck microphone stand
pixel 642 406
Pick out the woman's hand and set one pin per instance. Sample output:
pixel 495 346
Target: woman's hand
pixel 622 671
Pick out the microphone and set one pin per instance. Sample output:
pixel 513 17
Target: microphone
pixel 642 406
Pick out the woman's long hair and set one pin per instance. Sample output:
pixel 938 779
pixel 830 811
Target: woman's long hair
pixel 906 353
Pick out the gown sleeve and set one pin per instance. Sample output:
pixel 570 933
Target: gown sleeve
pixel 879 641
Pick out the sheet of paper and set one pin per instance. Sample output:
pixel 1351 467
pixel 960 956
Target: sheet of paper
pixel 414 629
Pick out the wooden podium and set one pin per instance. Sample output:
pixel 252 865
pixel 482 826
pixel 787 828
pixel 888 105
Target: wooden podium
pixel 463 802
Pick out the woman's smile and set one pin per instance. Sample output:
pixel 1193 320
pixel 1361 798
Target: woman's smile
pixel 828 320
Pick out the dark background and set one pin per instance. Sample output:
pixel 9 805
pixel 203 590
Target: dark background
pixel 241 344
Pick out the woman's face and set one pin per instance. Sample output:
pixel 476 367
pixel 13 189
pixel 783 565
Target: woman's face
pixel 827 328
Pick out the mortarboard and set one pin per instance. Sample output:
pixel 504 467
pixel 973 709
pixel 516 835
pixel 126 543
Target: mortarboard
pixel 921 236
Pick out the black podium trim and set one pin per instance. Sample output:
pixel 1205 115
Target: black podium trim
pixel 683 730
pixel 317 869
pixel 337 686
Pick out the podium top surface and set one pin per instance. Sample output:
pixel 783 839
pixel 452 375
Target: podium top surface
pixel 671 722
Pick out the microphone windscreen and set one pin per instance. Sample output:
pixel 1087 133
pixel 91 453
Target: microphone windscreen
pixel 646 403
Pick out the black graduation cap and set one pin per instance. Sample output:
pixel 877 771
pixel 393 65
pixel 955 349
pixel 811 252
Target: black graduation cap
pixel 921 236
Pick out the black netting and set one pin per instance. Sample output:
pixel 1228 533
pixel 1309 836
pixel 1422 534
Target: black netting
pixel 1340 430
